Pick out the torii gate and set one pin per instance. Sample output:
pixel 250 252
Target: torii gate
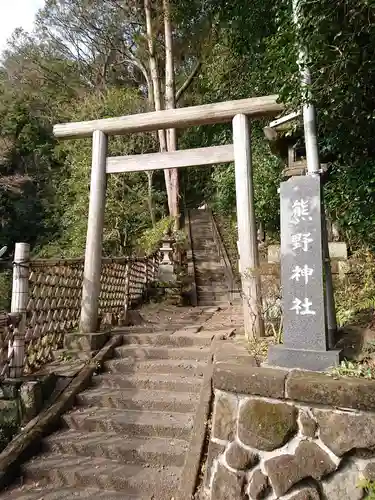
pixel 240 152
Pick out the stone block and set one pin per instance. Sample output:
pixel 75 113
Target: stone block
pixel 344 268
pixel 343 484
pixel 305 359
pixel 259 485
pixel 9 388
pixel 265 425
pixel 344 431
pixel 258 381
pixel 338 250
pixel 85 341
pixel 214 451
pixel 31 400
pixel 166 273
pixel 239 458
pixel 308 425
pixel 233 353
pixel 369 471
pixel 8 412
pixel 48 384
pixel 227 485
pixel 323 389
pixel 309 461
pixel 134 318
pixel 225 413
pixel 306 494
pixel 273 253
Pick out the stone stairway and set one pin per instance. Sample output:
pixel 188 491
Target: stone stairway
pixel 128 434
pixel 212 287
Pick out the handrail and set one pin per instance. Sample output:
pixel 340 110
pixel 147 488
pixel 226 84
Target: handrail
pixel 79 260
pixel 223 254
pixel 190 258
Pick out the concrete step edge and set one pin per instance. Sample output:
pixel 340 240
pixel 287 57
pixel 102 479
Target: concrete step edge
pixel 67 470
pixel 153 451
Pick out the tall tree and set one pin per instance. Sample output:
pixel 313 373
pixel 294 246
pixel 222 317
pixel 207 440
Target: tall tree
pixel 170 103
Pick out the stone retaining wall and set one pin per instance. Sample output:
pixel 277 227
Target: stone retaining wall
pixel 289 435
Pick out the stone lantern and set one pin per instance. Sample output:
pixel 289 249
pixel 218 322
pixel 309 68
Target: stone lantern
pixel 286 140
pixel 166 266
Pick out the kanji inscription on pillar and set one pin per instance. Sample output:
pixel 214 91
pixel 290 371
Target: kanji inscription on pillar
pixel 302 264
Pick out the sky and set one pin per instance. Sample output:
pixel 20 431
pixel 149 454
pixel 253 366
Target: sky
pixel 15 14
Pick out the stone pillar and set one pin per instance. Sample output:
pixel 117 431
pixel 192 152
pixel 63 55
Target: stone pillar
pixel 247 230
pixel 304 315
pixel 20 295
pixel 94 239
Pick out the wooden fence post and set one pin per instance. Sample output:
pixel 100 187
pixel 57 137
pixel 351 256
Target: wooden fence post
pixel 145 279
pixel 127 290
pixel 94 240
pixel 154 268
pixel 20 295
pixel 247 230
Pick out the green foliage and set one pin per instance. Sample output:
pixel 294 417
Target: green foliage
pixel 353 369
pixel 340 41
pixel 5 290
pixel 27 161
pixel 355 299
pixel 7 432
pixel 369 487
pixel 149 242
pixel 90 61
pixel 127 210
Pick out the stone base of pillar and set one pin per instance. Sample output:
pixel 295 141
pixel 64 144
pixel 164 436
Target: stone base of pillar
pixel 318 361
pixel 166 273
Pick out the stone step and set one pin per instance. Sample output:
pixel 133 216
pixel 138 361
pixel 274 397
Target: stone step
pixel 67 355
pixel 148 328
pixel 136 399
pixel 203 264
pixel 152 451
pixel 131 422
pixel 171 366
pixel 27 492
pixel 216 287
pixel 85 341
pixel 203 234
pixel 220 303
pixel 212 294
pixel 151 352
pixel 203 239
pixel 176 340
pixel 210 283
pixel 211 274
pixel 179 383
pixel 71 471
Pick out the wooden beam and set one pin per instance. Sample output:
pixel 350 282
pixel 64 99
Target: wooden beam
pixel 173 159
pixel 219 112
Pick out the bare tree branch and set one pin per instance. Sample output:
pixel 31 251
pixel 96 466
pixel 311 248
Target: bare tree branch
pixel 188 81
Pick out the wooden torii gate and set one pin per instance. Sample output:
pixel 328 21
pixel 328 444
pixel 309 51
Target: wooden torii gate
pixel 240 112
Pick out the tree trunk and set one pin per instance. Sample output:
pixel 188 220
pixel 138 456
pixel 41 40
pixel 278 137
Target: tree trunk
pixel 157 93
pixel 150 200
pixel 170 103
